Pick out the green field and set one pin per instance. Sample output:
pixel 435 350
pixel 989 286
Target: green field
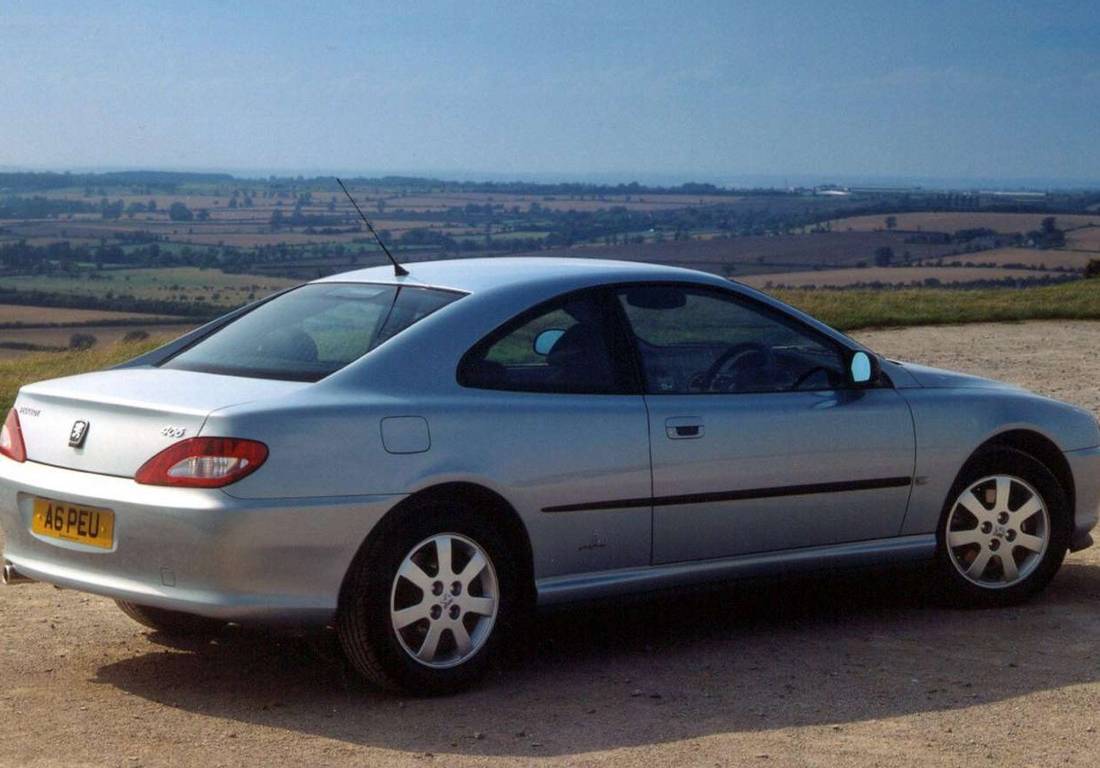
pixel 164 283
pixel 852 309
pixel 48 365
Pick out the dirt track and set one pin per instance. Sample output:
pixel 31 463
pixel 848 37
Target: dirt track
pixel 858 670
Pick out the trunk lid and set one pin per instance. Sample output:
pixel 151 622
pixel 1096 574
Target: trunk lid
pixel 130 414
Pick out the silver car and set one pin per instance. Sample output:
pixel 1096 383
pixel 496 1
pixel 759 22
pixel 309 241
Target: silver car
pixel 418 460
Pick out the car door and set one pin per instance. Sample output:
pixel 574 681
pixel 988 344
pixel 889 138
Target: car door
pixel 555 413
pixel 758 441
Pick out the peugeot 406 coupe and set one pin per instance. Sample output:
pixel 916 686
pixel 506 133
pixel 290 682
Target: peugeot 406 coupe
pixel 416 460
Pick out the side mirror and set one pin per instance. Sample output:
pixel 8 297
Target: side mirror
pixel 862 369
pixel 546 340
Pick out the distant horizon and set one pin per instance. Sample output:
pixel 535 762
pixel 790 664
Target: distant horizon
pixel 777 181
pixel 935 93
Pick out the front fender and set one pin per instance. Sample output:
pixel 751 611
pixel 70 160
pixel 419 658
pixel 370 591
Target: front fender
pixel 952 423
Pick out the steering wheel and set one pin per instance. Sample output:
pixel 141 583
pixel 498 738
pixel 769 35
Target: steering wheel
pixel 808 374
pixel 732 354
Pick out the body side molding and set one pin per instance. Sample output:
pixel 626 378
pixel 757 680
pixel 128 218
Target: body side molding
pixel 740 495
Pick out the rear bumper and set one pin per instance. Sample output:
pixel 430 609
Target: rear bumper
pixel 195 550
pixel 1085 466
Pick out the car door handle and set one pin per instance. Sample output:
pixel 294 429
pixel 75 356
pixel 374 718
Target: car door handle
pixel 687 428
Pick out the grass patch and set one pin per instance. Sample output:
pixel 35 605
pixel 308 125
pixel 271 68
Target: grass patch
pixel 36 366
pixel 163 283
pixel 853 309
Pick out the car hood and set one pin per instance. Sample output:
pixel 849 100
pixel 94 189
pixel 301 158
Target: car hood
pixel 927 376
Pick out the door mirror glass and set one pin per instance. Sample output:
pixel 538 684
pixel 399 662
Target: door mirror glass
pixel 861 369
pixel 546 340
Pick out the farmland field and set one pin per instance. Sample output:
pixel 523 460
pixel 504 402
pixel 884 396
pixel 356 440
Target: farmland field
pixel 229 228
pixel 1006 223
pixel 864 308
pixel 755 254
pixel 1084 239
pixel 58 338
pixel 18 315
pixel 440 202
pixel 190 283
pixel 893 276
pixel 185 246
pixel 1050 258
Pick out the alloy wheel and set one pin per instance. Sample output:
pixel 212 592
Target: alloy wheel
pixel 998 531
pixel 444 600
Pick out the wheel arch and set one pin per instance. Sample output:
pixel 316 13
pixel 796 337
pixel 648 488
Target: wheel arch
pixel 466 493
pixel 1039 447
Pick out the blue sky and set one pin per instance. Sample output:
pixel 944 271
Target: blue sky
pixel 619 90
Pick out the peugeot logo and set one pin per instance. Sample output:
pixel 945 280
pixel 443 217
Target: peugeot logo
pixel 79 434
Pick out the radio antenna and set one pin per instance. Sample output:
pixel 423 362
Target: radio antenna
pixel 398 270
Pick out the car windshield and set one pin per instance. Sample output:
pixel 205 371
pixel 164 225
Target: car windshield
pixel 312 331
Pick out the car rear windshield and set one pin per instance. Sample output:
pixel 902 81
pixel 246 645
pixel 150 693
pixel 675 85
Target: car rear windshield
pixel 312 331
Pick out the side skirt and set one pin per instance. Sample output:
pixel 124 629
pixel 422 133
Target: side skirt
pixel 624 581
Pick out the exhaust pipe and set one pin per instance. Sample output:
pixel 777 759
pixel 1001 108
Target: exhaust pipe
pixel 12 577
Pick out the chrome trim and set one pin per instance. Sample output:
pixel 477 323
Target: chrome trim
pixel 13 577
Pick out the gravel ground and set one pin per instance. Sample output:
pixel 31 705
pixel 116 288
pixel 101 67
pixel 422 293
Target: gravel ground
pixel 852 670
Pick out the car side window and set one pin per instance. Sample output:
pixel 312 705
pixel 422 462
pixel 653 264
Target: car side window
pixel 694 341
pixel 565 347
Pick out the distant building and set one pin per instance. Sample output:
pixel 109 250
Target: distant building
pixel 992 197
pixel 882 190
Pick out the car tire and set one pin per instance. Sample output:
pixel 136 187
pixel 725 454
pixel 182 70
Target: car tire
pixel 1004 530
pixel 171 623
pixel 380 595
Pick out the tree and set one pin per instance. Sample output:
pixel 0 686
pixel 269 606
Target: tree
pixel 1093 269
pixel 180 212
pixel 82 341
pixel 891 222
pixel 111 211
pixel 203 215
pixel 1048 235
pixel 883 256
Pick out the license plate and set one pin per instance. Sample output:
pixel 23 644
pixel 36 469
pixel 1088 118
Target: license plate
pixel 93 526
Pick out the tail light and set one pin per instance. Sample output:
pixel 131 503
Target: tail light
pixel 11 438
pixel 203 462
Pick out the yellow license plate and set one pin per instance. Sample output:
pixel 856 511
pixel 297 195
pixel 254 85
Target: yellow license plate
pixel 74 522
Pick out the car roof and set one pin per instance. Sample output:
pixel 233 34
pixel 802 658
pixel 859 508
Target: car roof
pixel 485 274
pixel 527 280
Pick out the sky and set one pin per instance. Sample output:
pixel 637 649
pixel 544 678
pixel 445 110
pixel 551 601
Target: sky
pixel 728 92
